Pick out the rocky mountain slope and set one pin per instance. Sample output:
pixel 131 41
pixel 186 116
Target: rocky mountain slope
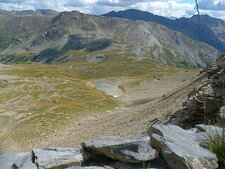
pixel 40 12
pixel 209 30
pixel 44 38
pixel 205 103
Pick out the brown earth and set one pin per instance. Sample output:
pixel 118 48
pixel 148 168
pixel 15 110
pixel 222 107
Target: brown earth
pixel 147 102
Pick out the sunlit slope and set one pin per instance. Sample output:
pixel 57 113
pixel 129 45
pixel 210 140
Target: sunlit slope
pixel 48 38
pixel 38 99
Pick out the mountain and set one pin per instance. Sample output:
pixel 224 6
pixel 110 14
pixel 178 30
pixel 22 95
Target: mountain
pixel 74 36
pixel 41 12
pixel 217 25
pixel 209 30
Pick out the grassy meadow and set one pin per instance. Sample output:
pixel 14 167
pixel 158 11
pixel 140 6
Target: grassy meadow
pixel 37 99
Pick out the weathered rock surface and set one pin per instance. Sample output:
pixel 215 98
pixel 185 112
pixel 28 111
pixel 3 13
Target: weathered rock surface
pixel 155 164
pixel 22 160
pixel 221 117
pixel 210 129
pixel 58 157
pixel 134 150
pixel 180 149
pixel 205 102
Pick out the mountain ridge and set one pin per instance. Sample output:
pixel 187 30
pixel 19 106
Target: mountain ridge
pixel 38 12
pixel 47 38
pixel 188 26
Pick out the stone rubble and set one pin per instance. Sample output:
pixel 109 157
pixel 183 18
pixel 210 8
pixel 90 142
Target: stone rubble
pixel 178 148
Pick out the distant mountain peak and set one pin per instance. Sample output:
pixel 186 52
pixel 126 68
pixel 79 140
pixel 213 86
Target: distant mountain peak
pixel 88 37
pixel 210 30
pixel 38 12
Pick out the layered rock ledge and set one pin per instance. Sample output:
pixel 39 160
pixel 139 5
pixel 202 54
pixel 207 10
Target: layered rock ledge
pixel 168 146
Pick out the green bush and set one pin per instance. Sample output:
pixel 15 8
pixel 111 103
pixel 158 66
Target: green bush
pixel 216 144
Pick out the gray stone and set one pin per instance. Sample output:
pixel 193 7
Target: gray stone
pixel 204 102
pixel 22 160
pixel 92 167
pixel 121 165
pixel 210 129
pixel 221 117
pixel 108 167
pixel 180 148
pixel 58 157
pixel 134 150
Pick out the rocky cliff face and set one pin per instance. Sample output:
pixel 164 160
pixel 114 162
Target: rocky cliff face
pixel 206 101
pixel 32 35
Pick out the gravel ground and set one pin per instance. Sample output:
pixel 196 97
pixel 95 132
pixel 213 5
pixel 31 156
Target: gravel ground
pixel 158 100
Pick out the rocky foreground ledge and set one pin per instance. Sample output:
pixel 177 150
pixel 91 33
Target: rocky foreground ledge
pixel 167 146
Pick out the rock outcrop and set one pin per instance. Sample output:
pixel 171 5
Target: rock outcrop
pixel 180 148
pixel 56 157
pixel 21 160
pixel 210 129
pixel 204 103
pixel 109 152
pixel 221 117
pixel 134 150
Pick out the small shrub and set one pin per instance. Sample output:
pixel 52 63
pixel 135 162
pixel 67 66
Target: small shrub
pixel 146 165
pixel 216 144
pixel 121 88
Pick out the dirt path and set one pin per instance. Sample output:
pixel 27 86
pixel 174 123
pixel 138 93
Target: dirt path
pixel 126 121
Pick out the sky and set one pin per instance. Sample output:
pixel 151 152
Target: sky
pixel 168 8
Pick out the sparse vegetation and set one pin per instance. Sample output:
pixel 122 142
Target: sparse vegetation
pixel 216 144
pixel 45 97
pixel 48 96
pixel 146 165
pixel 121 87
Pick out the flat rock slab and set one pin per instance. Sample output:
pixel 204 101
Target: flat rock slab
pixel 134 150
pixel 22 160
pixel 180 148
pixel 58 157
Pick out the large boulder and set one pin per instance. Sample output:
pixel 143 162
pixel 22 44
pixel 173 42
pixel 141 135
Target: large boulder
pixel 22 160
pixel 180 148
pixel 134 150
pixel 58 157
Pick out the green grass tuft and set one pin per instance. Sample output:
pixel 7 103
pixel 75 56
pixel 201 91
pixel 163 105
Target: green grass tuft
pixel 217 145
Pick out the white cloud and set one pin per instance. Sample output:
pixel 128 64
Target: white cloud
pixel 214 13
pixel 168 8
pixel 212 4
